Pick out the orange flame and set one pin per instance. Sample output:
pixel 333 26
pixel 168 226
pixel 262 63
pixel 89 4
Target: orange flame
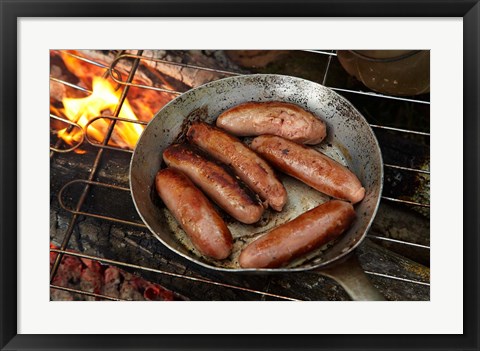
pixel 104 99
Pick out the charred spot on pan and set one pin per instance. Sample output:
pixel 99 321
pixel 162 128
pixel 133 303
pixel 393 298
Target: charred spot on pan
pixel 225 216
pixel 198 114
pixel 264 220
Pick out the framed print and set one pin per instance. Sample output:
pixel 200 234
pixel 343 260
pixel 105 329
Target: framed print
pixel 233 175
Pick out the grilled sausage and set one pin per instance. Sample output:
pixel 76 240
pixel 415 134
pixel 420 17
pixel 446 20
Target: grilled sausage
pixel 305 233
pixel 252 169
pixel 310 166
pixel 195 213
pixel 222 187
pixel 277 118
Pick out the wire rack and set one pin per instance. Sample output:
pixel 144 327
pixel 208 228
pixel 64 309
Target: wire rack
pixel 103 147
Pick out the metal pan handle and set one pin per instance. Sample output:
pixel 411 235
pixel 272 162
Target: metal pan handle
pixel 350 275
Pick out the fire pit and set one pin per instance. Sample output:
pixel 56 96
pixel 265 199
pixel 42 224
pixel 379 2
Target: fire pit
pixel 100 101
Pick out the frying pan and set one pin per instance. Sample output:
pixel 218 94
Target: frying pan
pixel 349 141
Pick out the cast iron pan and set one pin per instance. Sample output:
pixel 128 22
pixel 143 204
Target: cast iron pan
pixel 350 141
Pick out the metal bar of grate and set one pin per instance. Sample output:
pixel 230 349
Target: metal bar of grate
pixel 109 68
pixel 380 95
pixel 87 293
pixel 407 169
pixel 72 124
pixel 93 172
pixel 330 53
pixel 326 70
pixel 71 85
pixel 184 65
pixel 92 183
pixel 403 242
pixel 112 118
pixel 142 86
pixel 84 59
pixel 399 130
pixel 397 278
pixel 405 201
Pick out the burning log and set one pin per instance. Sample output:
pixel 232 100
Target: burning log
pixel 191 77
pixel 80 106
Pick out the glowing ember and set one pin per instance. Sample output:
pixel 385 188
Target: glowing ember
pixel 102 101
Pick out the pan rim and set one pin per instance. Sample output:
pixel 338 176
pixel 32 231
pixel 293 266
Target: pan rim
pixel 312 267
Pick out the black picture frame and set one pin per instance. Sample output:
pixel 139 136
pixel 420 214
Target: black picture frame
pixel 12 10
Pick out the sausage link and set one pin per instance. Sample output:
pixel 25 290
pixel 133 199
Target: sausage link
pixel 195 213
pixel 277 118
pixel 222 187
pixel 305 233
pixel 250 167
pixel 310 166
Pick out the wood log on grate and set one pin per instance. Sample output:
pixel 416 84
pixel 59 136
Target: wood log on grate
pixel 192 77
pixel 182 78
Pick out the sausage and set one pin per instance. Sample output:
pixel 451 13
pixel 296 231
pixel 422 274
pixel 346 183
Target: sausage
pixel 310 166
pixel 249 167
pixel 222 187
pixel 277 118
pixel 195 213
pixel 307 232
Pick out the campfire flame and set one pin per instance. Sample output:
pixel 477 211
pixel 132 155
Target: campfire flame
pixel 102 101
pixel 70 103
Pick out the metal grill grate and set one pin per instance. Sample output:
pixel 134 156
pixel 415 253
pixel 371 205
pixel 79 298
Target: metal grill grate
pixel 104 147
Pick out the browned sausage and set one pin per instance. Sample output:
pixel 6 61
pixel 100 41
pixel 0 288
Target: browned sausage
pixel 305 233
pixel 250 167
pixel 277 118
pixel 195 213
pixel 310 166
pixel 222 187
